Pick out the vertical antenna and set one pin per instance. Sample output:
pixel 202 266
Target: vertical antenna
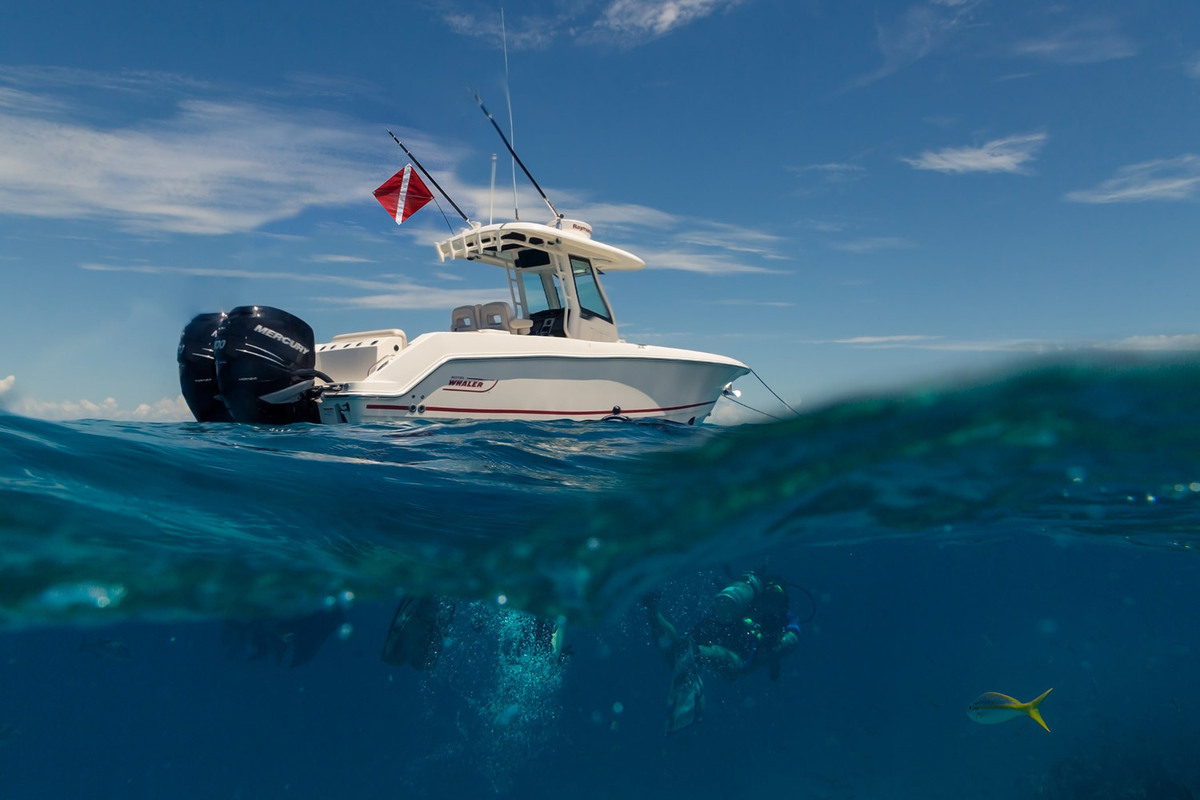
pixel 492 193
pixel 508 96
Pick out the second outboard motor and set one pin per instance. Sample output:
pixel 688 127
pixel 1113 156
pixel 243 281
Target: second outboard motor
pixel 198 369
pixel 261 350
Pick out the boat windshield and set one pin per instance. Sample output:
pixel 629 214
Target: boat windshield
pixel 591 302
pixel 540 291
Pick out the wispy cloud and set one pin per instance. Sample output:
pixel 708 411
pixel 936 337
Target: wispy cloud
pixel 7 383
pixel 17 100
pixel 706 263
pixel 1163 179
pixel 919 31
pixel 333 258
pixel 1010 154
pixel 885 341
pixel 143 82
pixel 826 225
pixel 208 167
pixel 940 343
pixel 733 239
pixel 871 244
pixel 409 297
pixel 393 293
pixel 755 303
pixel 1161 343
pixel 1192 67
pixel 224 166
pixel 636 21
pixel 829 176
pixel 625 23
pixel 1087 42
pixel 245 274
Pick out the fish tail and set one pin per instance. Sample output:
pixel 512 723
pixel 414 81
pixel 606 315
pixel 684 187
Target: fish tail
pixel 1031 708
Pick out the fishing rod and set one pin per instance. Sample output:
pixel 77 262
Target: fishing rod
pixel 516 157
pixel 424 171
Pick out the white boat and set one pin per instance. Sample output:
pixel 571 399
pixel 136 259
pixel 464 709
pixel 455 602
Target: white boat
pixel 552 352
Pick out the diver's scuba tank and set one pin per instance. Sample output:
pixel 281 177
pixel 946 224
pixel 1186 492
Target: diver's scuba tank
pixel 735 600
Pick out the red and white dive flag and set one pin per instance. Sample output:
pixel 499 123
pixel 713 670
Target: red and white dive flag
pixel 403 194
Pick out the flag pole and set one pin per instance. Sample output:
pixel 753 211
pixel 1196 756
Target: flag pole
pixel 517 158
pixel 431 178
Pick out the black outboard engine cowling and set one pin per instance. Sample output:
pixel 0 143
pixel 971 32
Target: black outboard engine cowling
pixel 260 350
pixel 198 369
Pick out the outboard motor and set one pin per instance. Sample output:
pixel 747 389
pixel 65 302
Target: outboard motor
pixel 198 369
pixel 260 351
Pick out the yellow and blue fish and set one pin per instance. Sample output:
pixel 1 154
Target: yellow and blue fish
pixel 991 708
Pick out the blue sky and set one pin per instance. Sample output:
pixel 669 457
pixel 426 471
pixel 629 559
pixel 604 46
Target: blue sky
pixel 846 196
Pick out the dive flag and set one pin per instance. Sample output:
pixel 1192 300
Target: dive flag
pixel 403 194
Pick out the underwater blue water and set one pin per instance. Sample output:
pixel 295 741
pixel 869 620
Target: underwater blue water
pixel 1036 529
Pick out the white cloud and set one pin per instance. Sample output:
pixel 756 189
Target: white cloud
pixel 234 166
pixel 639 20
pixel 6 384
pixel 1087 42
pixel 407 297
pixel 882 340
pixel 827 177
pixel 208 168
pixel 623 22
pixel 756 303
pixel 164 410
pixel 393 293
pixel 922 29
pixel 826 225
pixel 1160 343
pixel 999 155
pixel 706 263
pixel 732 239
pixel 1163 179
pixel 871 244
pixel 246 274
pixel 332 258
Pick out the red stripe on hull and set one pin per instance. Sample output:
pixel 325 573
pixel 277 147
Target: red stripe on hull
pixel 540 412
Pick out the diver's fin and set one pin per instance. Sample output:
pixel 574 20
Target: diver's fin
pixel 1031 708
pixel 685 701
pixel 418 627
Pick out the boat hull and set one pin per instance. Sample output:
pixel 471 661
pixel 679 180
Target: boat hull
pixel 482 376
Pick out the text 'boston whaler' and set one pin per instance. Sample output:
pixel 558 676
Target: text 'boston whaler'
pixel 551 352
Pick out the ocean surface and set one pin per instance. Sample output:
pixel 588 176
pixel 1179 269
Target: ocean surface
pixel 199 611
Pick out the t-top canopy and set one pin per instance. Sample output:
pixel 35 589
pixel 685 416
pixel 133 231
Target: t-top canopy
pixel 500 244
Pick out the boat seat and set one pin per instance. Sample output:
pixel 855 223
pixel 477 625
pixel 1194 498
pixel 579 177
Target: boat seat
pixel 495 316
pixel 465 318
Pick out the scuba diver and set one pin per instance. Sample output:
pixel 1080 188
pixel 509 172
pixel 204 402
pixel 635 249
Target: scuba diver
pixel 747 626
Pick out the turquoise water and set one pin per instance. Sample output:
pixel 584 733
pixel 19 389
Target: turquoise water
pixel 1036 529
